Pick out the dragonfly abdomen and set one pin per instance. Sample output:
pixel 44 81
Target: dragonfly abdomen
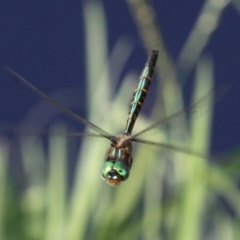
pixel 141 91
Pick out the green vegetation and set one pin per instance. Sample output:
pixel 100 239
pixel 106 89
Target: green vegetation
pixel 169 195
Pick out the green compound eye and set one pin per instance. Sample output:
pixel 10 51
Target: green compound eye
pixel 106 168
pixel 122 170
pixel 118 167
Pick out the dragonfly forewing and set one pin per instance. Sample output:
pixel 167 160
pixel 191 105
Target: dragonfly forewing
pixel 195 110
pixel 58 105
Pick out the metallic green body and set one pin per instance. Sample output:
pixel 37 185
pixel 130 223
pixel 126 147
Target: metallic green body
pixel 119 161
pixel 141 91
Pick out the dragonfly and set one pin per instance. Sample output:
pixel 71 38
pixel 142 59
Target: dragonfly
pixel 117 166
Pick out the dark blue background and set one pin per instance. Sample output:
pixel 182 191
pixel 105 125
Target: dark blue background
pixel 44 42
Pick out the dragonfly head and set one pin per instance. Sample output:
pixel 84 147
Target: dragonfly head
pixel 114 172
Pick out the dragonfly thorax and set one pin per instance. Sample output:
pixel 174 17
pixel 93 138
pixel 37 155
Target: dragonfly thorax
pixel 119 161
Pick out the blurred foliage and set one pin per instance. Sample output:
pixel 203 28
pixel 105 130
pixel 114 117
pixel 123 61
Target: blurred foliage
pixel 169 195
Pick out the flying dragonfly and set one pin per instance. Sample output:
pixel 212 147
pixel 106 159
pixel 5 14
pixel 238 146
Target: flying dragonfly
pixel 116 168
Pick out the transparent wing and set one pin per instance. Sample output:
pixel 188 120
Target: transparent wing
pixel 60 106
pixel 193 110
pixel 172 147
